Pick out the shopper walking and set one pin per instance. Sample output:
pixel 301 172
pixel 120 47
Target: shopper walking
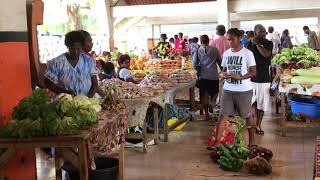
pixel 238 67
pixel 286 40
pixel 274 38
pixel 312 38
pixel 262 51
pixel 205 61
pixel 220 41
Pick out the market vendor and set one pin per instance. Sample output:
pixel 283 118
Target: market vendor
pixel 124 72
pixel 87 46
pixel 163 47
pixel 72 72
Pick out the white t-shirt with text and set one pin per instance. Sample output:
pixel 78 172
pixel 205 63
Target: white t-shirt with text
pixel 238 63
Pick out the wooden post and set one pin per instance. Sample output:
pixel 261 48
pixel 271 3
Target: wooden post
pixel 156 125
pixel 83 159
pixel 283 118
pixel 165 119
pixel 57 164
pixel 192 99
pixel 121 162
pixel 144 135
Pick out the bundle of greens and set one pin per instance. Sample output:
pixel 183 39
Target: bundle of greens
pixel 233 156
pixel 36 115
pixel 300 57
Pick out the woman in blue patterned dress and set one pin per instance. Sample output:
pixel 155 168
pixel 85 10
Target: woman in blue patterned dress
pixel 72 72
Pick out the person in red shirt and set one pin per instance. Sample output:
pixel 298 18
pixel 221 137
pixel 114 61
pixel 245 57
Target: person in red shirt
pixel 182 43
pixel 176 41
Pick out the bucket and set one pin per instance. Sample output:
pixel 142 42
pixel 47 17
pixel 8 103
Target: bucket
pixel 309 107
pixel 106 169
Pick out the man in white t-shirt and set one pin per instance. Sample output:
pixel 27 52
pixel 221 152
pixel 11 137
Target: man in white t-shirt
pixel 275 39
pixel 238 67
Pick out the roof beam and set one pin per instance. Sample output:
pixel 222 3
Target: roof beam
pixel 239 6
pixel 162 10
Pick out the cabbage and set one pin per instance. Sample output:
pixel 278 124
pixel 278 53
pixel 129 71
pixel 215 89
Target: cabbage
pixel 96 107
pixel 81 101
pixel 94 101
pixel 64 97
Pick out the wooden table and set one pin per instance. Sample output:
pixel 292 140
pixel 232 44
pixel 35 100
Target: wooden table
pixel 100 140
pixel 295 89
pixel 63 145
pixel 170 99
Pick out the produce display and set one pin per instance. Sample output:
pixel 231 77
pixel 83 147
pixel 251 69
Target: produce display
pixel 156 82
pixel 112 100
pixel 233 156
pixel 236 156
pixel 258 166
pixel 36 115
pixel 306 76
pixel 163 64
pixel 180 76
pixel 137 63
pixel 296 58
pixel 126 90
pixel 187 65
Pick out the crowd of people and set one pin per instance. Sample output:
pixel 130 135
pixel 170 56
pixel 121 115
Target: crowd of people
pixel 241 61
pixel 233 66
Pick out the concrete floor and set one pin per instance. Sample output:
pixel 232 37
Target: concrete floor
pixel 185 156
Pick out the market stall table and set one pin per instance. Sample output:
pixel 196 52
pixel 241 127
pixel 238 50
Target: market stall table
pixel 137 117
pixel 169 97
pixel 100 140
pixel 297 89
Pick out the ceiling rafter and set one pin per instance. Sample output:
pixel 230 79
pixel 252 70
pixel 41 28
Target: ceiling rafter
pixel 145 2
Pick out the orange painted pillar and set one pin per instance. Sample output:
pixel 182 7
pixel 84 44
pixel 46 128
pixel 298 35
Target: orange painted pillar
pixel 15 80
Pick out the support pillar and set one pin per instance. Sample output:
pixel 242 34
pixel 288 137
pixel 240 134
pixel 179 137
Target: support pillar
pixel 110 24
pixel 223 13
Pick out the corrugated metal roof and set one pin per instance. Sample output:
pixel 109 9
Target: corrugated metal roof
pixel 144 2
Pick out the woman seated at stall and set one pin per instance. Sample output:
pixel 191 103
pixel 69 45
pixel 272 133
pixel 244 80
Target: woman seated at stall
pixel 72 72
pixel 124 70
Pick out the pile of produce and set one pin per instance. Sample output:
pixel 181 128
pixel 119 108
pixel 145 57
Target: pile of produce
pixel 111 101
pixel 140 74
pixel 187 65
pixel 235 156
pixel 306 76
pixel 137 63
pixel 180 76
pixel 297 58
pixel 36 115
pixel 157 82
pixel 164 64
pixel 126 90
pixel 228 134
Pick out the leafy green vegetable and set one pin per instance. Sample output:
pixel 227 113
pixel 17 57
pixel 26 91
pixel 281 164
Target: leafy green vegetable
pixel 37 116
pixel 29 107
pixel 301 54
pixel 233 156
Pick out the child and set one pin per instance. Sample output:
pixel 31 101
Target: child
pixel 124 70
pixel 109 70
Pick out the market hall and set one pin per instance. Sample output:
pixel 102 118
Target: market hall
pixel 169 89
